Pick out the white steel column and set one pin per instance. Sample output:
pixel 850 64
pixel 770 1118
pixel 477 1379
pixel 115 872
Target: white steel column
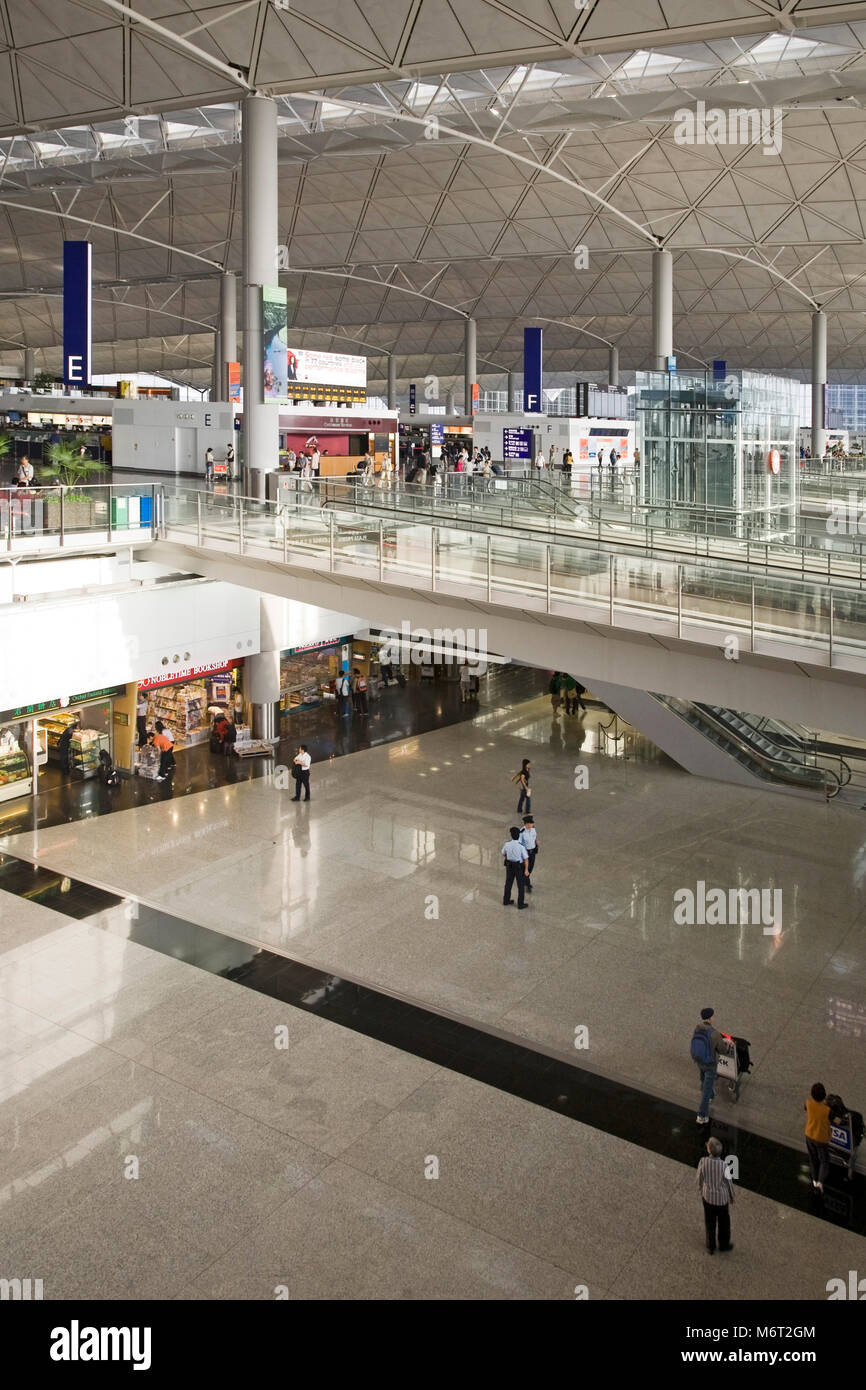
pixel 228 331
pixel 29 364
pixel 613 366
pixel 470 364
pixel 819 383
pixel 392 382
pixel 261 418
pixel 662 309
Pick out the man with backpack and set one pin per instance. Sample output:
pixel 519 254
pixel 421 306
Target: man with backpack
pixel 359 692
pixel 707 1042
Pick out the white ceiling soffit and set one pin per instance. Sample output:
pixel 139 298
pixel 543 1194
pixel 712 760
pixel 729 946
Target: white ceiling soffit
pixel 83 60
pixel 120 127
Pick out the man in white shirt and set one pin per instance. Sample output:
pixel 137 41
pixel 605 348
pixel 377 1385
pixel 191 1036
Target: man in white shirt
pixel 540 460
pixel 25 472
pixel 315 460
pixel 515 857
pixel 302 763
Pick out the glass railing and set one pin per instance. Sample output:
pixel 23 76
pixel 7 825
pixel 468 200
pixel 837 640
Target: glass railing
pixel 549 508
pixel 714 604
pixel 30 516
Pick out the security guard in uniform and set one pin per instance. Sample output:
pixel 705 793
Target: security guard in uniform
pixel 515 857
pixel 529 840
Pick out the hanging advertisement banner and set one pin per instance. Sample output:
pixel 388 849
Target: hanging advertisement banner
pixel 234 381
pixel 275 322
pixel 532 371
pixel 77 312
pixel 326 376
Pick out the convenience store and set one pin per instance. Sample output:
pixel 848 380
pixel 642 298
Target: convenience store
pixel 30 750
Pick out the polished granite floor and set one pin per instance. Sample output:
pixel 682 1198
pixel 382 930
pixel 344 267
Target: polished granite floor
pixel 155 1142
pixel 390 877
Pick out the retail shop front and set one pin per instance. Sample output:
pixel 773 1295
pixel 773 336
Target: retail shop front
pixel 43 744
pixel 308 674
pixel 187 703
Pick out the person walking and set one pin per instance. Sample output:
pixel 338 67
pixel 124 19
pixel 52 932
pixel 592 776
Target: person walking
pixel 344 691
pixel 529 840
pixel 717 1195
pixel 818 1135
pixel 540 462
pixel 706 1044
pixel 63 745
pixel 523 783
pixel 24 474
pixel 551 457
pixel 465 683
pixel 163 741
pixel 141 718
pixel 208 464
pixel 515 857
pixel 359 692
pixel 302 762
pixel 230 460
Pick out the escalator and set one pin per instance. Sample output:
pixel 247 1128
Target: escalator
pixel 730 746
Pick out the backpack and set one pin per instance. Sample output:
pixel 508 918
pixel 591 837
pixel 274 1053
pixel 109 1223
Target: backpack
pixel 343 687
pixel 362 683
pixel 702 1047
pixel 516 778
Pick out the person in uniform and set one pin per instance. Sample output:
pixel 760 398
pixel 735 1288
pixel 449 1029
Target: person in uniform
pixel 529 840
pixel 515 857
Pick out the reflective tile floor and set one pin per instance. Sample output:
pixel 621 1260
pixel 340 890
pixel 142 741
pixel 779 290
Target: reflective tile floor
pixel 270 1105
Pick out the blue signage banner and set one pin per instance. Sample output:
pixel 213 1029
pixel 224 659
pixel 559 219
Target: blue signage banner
pixel 77 312
pixel 532 370
pixel 517 444
pixel 437 435
pixel 413 398
pixel 720 369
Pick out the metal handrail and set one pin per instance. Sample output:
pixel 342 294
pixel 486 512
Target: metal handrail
pixel 778 768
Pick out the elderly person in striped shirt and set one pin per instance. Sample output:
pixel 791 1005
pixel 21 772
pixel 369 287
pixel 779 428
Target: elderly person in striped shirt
pixel 717 1194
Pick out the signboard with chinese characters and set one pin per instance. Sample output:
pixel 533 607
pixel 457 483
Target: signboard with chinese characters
pixel 517 444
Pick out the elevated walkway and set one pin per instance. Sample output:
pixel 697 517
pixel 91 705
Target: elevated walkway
pixel 709 632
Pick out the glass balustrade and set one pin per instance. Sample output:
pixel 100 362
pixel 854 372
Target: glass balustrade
pixel 695 600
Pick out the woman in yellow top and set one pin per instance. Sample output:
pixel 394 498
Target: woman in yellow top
pixel 818 1134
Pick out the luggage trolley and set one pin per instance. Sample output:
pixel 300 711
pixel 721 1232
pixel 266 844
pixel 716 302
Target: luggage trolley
pixel 734 1063
pixel 845 1135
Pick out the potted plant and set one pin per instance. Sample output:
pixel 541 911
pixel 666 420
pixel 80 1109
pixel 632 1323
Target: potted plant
pixel 43 382
pixel 67 467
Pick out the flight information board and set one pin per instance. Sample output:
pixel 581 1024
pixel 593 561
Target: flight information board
pixel 517 444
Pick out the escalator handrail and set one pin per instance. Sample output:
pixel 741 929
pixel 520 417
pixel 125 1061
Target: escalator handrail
pixel 782 771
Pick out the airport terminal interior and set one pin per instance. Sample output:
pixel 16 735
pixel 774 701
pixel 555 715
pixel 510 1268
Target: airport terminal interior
pixel 433 652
